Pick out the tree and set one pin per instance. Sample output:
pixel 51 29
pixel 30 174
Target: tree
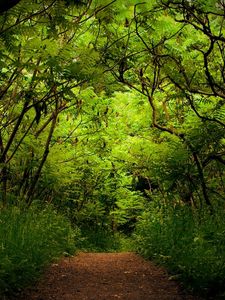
pixel 42 61
pixel 157 56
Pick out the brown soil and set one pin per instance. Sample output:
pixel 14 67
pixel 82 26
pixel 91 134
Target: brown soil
pixel 105 276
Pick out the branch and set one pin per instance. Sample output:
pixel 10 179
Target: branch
pixel 60 109
pixel 204 118
pixel 15 129
pixel 97 11
pixel 28 18
pixel 214 156
pixel 21 140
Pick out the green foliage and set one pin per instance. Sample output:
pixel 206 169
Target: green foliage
pixel 189 243
pixel 104 240
pixel 106 106
pixel 30 240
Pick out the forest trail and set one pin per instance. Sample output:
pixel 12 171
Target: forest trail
pixel 105 276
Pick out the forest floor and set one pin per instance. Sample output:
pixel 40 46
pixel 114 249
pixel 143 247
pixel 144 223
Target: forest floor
pixel 105 276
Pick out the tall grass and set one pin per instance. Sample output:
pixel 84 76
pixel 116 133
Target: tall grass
pixel 190 243
pixel 29 241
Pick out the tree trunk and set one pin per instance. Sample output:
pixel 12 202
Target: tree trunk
pixel 202 179
pixel 3 173
pixel 31 190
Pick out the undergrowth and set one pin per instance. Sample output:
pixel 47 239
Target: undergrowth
pixel 191 244
pixel 29 241
pixel 103 240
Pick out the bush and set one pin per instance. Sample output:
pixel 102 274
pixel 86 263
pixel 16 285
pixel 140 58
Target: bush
pixel 29 241
pixel 189 243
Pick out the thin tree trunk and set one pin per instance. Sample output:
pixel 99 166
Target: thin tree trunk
pixel 15 129
pixel 3 173
pixel 31 190
pixel 4 151
pixel 202 179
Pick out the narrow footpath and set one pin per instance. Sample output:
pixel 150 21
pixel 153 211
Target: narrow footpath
pixel 105 276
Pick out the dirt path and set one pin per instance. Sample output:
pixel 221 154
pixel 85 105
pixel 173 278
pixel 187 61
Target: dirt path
pixel 105 276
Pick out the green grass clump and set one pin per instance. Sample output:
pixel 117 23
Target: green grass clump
pixel 29 241
pixel 191 244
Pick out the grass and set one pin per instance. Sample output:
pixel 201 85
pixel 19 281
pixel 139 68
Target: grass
pixel 29 241
pixel 191 244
